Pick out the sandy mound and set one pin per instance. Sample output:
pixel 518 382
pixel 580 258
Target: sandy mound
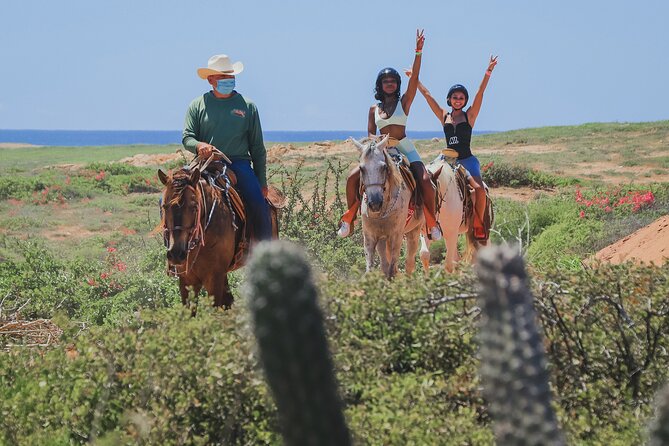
pixel 151 160
pixel 16 145
pixel 648 244
pixel 280 152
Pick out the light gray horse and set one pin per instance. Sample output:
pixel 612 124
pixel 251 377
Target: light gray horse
pixel 385 208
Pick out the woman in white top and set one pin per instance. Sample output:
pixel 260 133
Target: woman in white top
pixel 389 116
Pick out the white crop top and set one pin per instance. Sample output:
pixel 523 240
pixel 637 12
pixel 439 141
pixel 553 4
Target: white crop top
pixel 398 117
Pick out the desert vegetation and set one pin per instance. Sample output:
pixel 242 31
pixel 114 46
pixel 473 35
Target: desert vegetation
pixel 111 357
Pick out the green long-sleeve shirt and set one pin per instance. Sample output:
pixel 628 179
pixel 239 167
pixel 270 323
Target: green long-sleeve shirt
pixel 232 125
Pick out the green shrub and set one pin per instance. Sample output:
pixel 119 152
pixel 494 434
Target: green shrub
pixel 565 243
pixel 514 175
pixel 41 284
pixel 161 378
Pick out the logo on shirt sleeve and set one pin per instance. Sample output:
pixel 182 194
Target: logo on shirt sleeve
pixel 238 112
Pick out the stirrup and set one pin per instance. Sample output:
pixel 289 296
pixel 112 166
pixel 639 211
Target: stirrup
pixel 344 229
pixel 434 233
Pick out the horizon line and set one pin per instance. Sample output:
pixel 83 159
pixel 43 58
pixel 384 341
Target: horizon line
pixel 339 130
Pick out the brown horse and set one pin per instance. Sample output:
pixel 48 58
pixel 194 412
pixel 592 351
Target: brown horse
pixel 205 237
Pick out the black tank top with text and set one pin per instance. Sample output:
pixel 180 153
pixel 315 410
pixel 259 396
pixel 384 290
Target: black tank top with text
pixel 459 137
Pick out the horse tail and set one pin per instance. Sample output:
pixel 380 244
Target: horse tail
pixel 471 247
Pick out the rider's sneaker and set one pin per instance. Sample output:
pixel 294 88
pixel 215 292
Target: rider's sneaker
pixel 344 229
pixel 435 233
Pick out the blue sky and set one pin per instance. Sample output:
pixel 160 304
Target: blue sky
pixel 85 64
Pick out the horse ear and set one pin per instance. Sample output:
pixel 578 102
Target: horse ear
pixel 359 146
pixel 437 172
pixel 163 176
pixel 195 176
pixel 381 144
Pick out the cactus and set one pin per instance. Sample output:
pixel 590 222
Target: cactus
pixel 288 326
pixel 513 365
pixel 659 427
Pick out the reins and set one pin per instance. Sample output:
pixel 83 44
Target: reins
pixel 197 231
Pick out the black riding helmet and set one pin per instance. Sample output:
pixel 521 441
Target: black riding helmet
pixel 453 89
pixel 383 73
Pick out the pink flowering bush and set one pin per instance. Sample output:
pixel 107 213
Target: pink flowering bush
pixel 613 200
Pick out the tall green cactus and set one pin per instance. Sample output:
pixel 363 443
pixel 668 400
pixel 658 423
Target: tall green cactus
pixel 288 326
pixel 513 365
pixel 659 427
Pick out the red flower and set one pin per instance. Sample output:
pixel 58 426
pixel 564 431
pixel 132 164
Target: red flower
pixel 581 214
pixel 111 249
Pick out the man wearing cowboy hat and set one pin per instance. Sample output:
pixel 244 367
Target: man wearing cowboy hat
pixel 225 120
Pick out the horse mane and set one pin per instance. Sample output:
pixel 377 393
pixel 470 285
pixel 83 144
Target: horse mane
pixel 180 180
pixel 178 183
pixel 395 174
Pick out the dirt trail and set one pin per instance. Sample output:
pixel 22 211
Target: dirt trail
pixel 648 244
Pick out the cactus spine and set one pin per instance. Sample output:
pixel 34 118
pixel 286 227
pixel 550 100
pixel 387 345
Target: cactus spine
pixel 288 326
pixel 513 365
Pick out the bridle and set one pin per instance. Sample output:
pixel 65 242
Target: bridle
pixel 383 185
pixel 195 232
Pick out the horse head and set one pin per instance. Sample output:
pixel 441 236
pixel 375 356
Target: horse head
pixel 181 213
pixel 375 171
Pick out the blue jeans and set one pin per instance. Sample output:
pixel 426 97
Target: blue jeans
pixel 257 210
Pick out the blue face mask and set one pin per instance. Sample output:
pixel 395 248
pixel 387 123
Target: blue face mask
pixel 225 86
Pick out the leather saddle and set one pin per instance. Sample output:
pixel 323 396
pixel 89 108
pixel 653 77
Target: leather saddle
pixel 218 175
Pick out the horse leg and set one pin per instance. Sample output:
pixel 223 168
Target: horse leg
pixel 370 248
pixel 451 242
pixel 221 291
pixel 394 246
pixel 412 248
pixel 425 254
pixel 382 249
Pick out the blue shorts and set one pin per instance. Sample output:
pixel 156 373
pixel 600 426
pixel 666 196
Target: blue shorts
pixel 406 147
pixel 471 163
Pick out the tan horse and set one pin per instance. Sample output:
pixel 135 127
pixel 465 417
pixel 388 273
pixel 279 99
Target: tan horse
pixel 384 209
pixel 205 238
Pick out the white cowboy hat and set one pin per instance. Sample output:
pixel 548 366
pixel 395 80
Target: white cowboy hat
pixel 220 64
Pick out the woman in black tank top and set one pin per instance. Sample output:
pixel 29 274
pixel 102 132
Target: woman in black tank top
pixel 458 125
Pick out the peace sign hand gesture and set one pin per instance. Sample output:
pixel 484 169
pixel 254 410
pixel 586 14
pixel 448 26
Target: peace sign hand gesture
pixel 420 40
pixel 492 63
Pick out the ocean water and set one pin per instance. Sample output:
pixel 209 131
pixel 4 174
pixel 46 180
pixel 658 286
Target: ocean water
pixel 70 138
